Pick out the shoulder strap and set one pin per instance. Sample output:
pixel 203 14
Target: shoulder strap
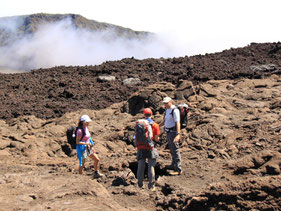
pixel 172 113
pixel 150 122
pixel 83 132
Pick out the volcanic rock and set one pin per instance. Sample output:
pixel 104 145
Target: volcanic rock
pixel 231 149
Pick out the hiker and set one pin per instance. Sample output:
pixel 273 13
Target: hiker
pixel 172 127
pixel 84 146
pixel 147 151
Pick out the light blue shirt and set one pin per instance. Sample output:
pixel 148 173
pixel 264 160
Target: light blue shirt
pixel 170 120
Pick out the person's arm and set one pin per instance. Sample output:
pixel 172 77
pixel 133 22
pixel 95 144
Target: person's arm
pixel 178 125
pixel 162 123
pixel 156 131
pixel 177 138
pixel 156 138
pixel 92 143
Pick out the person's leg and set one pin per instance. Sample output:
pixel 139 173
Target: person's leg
pixel 175 151
pixel 81 168
pixel 140 172
pixel 151 172
pixel 96 160
pixel 170 144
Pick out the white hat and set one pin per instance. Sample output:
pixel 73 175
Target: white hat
pixel 85 118
pixel 166 99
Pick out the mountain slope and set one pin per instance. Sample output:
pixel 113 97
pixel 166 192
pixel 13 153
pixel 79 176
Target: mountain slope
pixel 16 27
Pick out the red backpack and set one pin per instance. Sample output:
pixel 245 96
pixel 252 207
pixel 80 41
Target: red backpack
pixel 144 134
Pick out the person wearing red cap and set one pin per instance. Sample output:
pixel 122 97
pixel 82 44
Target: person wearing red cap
pixel 155 127
pixel 151 155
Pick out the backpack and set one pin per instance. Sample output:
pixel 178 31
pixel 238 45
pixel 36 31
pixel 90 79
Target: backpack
pixel 143 135
pixel 71 135
pixel 183 109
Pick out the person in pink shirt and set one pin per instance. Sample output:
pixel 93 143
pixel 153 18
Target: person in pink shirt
pixel 84 146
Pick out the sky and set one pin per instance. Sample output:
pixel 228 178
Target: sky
pixel 188 27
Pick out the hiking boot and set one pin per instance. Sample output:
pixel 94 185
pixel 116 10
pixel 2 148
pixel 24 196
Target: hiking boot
pixel 98 175
pixel 140 186
pixel 170 167
pixel 153 189
pixel 174 173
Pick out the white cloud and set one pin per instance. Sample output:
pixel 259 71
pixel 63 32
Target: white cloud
pixel 61 44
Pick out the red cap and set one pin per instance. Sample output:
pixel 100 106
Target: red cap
pixel 147 111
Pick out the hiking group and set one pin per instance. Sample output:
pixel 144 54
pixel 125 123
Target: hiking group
pixel 145 138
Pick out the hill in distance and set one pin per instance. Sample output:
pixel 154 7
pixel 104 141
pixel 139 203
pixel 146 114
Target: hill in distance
pixel 15 27
pixel 47 40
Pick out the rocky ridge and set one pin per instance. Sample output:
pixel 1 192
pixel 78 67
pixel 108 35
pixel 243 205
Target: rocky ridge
pixel 27 25
pixel 49 93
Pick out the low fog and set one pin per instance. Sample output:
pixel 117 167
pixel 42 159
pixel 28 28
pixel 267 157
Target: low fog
pixel 62 44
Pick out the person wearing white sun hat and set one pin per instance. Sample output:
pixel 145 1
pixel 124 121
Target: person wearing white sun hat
pixel 84 146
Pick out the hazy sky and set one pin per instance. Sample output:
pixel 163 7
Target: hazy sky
pixel 197 26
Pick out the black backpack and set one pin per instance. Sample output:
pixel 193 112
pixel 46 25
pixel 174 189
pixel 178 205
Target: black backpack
pixel 71 135
pixel 183 109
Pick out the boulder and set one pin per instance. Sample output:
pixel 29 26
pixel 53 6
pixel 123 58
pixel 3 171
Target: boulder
pixel 131 81
pixel 103 78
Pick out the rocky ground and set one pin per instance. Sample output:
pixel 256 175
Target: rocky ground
pixel 231 149
pixel 49 93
